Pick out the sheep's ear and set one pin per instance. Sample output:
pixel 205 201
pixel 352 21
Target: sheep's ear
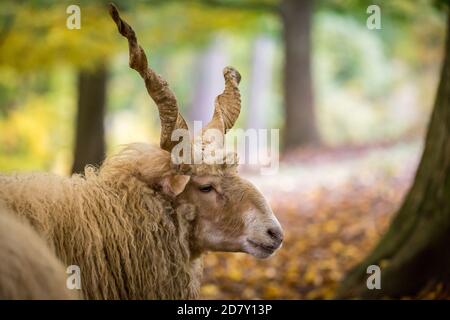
pixel 173 185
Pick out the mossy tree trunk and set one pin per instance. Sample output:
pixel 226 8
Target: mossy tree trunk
pixel 414 253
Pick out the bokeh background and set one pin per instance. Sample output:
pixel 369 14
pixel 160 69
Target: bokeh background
pixel 352 124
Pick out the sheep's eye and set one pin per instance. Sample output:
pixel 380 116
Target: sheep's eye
pixel 206 188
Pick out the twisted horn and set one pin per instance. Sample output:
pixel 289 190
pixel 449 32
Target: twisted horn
pixel 156 86
pixel 228 104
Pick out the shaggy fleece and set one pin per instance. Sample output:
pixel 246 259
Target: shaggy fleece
pixel 126 237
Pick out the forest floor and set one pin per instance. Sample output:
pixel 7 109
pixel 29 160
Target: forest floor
pixel 334 204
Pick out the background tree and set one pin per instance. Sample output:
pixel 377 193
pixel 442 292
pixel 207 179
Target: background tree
pixel 83 49
pixel 90 145
pixel 88 49
pixel 300 122
pixel 261 82
pixel 208 80
pixel 413 254
pixel 300 128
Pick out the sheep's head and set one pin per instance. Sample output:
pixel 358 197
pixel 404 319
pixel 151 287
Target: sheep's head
pixel 230 215
pixel 227 212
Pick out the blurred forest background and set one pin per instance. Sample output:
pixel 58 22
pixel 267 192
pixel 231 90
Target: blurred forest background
pixel 352 104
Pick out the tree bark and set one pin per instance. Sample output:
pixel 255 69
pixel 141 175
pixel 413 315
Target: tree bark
pixel 90 132
pixel 413 254
pixel 300 126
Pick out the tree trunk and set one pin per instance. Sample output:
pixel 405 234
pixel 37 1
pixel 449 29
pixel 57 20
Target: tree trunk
pixel 90 132
pixel 414 253
pixel 300 126
pixel 209 82
pixel 260 82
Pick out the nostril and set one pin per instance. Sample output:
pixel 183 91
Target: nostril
pixel 275 234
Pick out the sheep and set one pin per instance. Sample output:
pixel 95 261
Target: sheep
pixel 122 234
pixel 138 225
pixel 28 268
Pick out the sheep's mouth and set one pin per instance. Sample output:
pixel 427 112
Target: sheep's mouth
pixel 264 248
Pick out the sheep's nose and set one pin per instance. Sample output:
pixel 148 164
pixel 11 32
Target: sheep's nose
pixel 275 234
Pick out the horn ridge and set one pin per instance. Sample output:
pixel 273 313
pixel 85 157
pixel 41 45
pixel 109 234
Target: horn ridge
pixel 157 87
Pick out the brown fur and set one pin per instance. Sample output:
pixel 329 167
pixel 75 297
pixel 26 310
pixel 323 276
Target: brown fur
pixel 28 268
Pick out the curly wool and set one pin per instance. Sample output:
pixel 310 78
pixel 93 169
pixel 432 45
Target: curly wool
pixel 28 269
pixel 126 237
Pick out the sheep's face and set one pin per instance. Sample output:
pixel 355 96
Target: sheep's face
pixel 231 215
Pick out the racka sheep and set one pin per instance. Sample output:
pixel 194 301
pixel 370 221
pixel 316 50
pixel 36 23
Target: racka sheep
pixel 138 225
